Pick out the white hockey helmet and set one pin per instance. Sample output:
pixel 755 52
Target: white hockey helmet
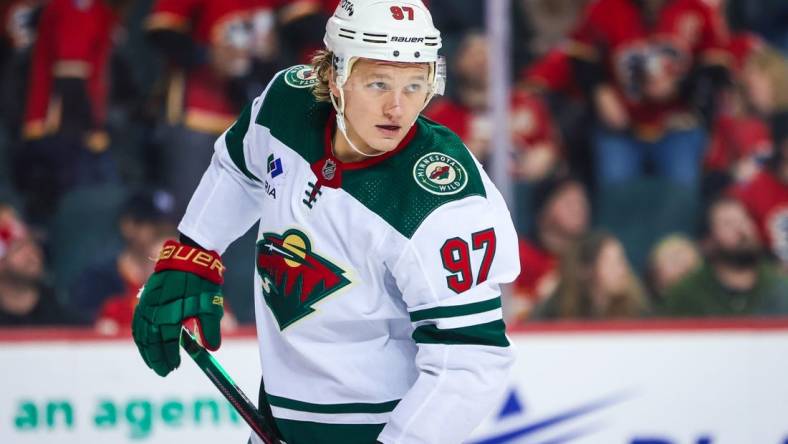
pixel 394 31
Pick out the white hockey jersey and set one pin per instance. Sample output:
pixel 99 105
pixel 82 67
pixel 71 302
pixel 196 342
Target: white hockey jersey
pixel 377 292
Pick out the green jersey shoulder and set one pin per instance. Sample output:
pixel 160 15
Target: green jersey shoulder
pixel 293 115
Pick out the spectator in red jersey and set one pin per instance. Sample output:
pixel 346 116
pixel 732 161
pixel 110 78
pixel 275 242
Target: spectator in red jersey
pixel 736 279
pixel 597 282
pixel 210 47
pixel 552 72
pixel 741 142
pixel 551 78
pixel 766 77
pixel 535 138
pixel 552 21
pixel 24 299
pixel 466 113
pixel 562 212
pixel 766 197
pixel 652 69
pixel 671 259
pixel 67 98
pixel 18 24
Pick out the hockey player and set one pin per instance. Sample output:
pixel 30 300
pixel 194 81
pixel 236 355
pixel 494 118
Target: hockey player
pixel 381 249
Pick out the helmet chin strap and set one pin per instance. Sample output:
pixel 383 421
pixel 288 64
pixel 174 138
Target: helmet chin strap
pixel 342 125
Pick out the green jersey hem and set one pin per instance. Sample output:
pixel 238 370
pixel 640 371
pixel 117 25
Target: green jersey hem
pixel 354 407
pixel 305 432
pixel 490 334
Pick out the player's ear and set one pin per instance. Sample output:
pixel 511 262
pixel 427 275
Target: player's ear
pixel 332 82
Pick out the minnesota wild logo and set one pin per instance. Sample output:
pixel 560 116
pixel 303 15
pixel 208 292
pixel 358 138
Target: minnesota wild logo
pixel 301 76
pixel 294 277
pixel 440 174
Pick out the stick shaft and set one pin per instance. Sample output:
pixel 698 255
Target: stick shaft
pixel 229 389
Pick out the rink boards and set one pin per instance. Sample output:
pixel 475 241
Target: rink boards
pixel 716 382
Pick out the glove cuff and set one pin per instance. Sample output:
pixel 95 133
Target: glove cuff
pixel 180 257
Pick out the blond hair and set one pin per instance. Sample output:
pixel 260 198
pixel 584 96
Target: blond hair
pixel 322 63
pixel 668 244
pixel 774 65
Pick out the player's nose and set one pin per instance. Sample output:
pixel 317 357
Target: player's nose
pixel 393 107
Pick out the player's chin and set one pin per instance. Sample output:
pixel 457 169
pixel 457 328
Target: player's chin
pixel 384 144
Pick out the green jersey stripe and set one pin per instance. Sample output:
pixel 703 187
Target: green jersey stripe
pixel 318 433
pixel 234 139
pixel 456 310
pixel 490 333
pixel 355 407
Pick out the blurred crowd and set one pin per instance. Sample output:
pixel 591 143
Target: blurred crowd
pixel 650 156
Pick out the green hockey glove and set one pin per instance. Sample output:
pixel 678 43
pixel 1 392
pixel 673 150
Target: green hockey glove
pixel 186 285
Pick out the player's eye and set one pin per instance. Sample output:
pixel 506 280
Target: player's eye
pixel 414 88
pixel 380 86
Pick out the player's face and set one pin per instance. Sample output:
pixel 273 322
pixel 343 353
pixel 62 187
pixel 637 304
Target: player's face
pixel 382 101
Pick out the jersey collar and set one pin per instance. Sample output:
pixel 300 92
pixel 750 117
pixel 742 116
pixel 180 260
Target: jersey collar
pixel 367 162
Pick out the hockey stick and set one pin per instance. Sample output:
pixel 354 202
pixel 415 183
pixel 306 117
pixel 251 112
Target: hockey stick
pixel 219 377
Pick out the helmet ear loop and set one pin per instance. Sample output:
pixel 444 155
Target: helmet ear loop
pixel 437 80
pixel 339 107
pixel 431 80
